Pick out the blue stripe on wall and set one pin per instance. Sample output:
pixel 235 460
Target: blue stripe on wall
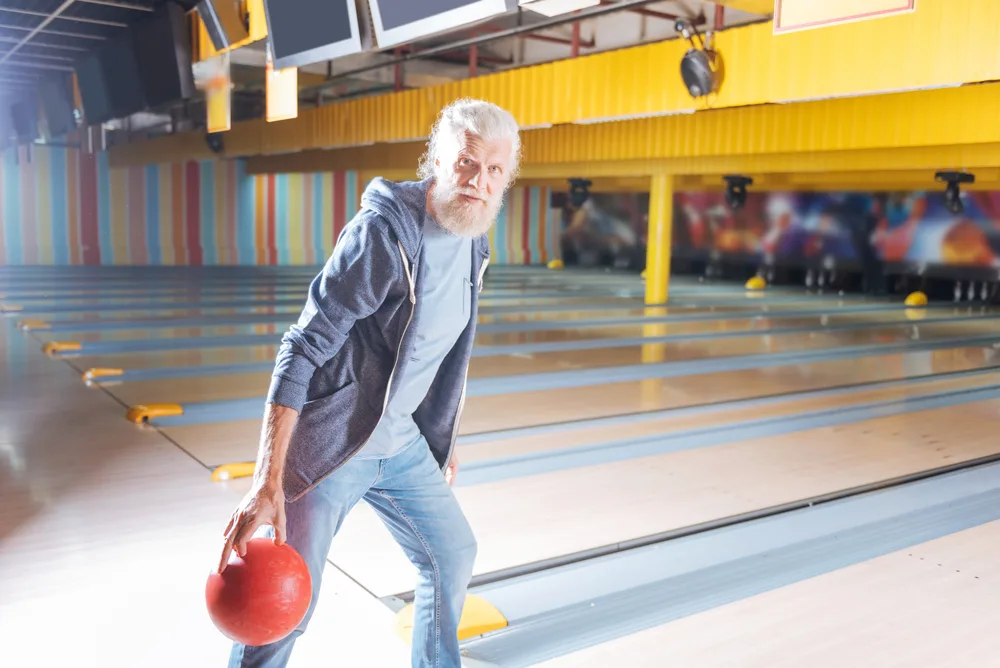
pixel 536 250
pixel 317 219
pixel 104 209
pixel 500 235
pixel 57 190
pixel 281 218
pixel 244 215
pixel 153 214
pixel 351 203
pixel 12 208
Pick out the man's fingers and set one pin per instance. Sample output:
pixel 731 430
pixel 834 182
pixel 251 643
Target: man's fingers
pixel 226 551
pixel 279 526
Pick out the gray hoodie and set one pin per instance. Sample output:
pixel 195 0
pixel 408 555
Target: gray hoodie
pixel 336 365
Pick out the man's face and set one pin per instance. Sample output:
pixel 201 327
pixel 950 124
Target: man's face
pixel 471 175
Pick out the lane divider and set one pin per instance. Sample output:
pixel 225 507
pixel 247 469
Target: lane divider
pixel 54 348
pixel 553 613
pixel 145 412
pixel 29 325
pixel 240 469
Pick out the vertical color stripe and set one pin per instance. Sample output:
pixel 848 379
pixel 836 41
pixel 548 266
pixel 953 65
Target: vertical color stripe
pixel 11 209
pixel 272 257
pixel 193 213
pixel 205 185
pixel 136 216
pixel 339 201
pixel 103 209
pixel 166 198
pixel 90 228
pixel 151 178
pixel 292 208
pixel 73 206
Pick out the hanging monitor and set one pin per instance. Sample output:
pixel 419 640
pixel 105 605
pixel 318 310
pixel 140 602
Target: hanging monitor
pixel 303 32
pixel 56 97
pixel 401 21
pixel 162 48
pixel 223 23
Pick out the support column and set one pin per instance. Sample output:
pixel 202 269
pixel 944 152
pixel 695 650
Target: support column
pixel 661 218
pixel 658 240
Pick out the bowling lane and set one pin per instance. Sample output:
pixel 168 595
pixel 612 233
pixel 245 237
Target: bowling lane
pixel 236 441
pixel 533 518
pixel 726 321
pixel 527 363
pixel 199 389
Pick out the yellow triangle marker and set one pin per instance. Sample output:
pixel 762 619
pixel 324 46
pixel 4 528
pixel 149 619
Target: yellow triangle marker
pixel 478 617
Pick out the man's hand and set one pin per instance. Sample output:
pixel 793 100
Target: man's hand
pixel 452 470
pixel 264 505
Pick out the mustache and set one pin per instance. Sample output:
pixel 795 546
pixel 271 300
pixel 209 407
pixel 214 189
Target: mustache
pixel 469 192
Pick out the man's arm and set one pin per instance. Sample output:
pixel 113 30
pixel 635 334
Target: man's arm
pixel 352 286
pixel 264 504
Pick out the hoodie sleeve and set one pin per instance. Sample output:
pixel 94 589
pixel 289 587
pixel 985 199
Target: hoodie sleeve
pixel 353 284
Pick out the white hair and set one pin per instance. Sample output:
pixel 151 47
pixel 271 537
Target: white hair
pixel 480 118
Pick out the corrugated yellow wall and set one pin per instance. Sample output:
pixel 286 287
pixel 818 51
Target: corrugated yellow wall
pixel 943 43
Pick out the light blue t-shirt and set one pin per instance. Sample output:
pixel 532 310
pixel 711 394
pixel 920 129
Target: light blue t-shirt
pixel 445 298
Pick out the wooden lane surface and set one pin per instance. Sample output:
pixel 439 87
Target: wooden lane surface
pixel 736 321
pixel 533 518
pixel 236 441
pixel 934 604
pixel 199 389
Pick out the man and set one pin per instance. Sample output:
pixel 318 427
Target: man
pixel 368 387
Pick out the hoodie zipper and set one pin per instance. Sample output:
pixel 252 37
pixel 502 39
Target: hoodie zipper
pixel 395 363
pixel 465 383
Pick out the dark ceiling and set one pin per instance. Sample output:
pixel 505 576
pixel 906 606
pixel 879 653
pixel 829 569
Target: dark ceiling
pixel 39 38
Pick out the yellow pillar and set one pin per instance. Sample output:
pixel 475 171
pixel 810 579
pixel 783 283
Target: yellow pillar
pixel 661 210
pixel 661 218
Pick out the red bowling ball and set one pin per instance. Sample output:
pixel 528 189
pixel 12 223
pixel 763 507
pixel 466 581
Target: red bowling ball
pixel 262 597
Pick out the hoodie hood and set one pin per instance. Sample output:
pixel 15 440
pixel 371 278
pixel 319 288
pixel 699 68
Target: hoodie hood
pixel 403 205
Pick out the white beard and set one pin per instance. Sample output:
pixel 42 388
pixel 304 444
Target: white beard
pixel 461 218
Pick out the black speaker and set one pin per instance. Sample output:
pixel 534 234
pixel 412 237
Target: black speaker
pixel 215 142
pixel 702 68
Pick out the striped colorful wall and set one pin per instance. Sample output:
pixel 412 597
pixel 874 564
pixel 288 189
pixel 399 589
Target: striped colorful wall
pixel 59 206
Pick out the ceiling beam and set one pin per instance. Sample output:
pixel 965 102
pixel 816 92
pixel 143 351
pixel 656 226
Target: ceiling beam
pixel 78 19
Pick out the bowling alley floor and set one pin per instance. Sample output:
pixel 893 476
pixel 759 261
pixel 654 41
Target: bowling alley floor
pixel 738 480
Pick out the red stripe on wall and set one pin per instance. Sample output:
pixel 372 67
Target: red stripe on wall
pixel 526 226
pixel 272 246
pixel 177 211
pixel 72 205
pixel 136 203
pixel 89 234
pixel 339 203
pixel 192 187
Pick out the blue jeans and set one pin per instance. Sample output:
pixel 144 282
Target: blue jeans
pixel 410 494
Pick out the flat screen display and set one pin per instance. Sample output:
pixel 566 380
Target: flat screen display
pixel 302 32
pixel 401 21
pixel 121 75
pixel 93 90
pixel 163 56
pixel 56 96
